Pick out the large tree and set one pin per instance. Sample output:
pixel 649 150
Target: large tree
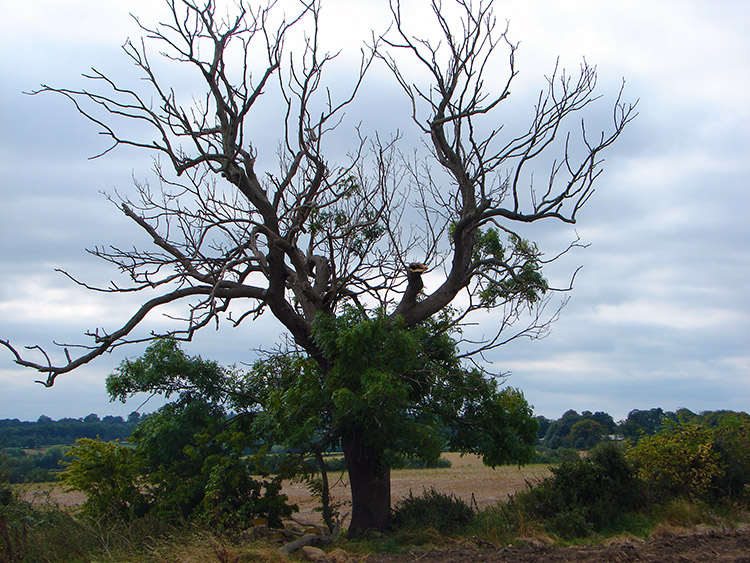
pixel 322 232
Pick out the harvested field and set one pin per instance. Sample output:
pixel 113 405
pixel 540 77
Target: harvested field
pixel 467 478
pixel 40 493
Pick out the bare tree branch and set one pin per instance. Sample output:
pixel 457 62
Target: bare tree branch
pixel 381 227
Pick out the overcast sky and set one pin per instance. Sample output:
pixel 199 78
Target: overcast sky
pixel 660 313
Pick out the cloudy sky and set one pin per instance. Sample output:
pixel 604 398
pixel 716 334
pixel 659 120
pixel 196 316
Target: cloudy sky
pixel 660 314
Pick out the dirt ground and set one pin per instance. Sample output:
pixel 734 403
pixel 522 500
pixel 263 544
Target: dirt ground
pixel 704 546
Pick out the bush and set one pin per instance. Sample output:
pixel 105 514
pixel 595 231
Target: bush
pixel 444 513
pixel 732 442
pixel 546 455
pixel 233 499
pixel 108 474
pixel 680 461
pixel 695 462
pixel 582 496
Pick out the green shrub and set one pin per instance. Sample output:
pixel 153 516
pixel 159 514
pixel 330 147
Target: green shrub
pixel 679 461
pixel 108 474
pixel 697 462
pixel 732 443
pixel 442 512
pixel 559 455
pixel 582 496
pixel 233 499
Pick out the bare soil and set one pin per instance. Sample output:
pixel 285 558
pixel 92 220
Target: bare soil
pixel 700 545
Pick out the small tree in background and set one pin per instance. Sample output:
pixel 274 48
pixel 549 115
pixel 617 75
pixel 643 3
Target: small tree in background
pixel 192 451
pixel 108 473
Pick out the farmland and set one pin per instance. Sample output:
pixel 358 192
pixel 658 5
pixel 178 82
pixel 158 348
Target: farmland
pixel 467 478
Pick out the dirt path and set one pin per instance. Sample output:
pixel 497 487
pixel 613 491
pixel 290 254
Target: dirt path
pixel 704 546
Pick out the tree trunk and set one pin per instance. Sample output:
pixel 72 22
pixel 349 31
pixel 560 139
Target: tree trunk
pixel 370 481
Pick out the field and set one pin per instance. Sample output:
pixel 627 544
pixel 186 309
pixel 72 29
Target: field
pixel 467 478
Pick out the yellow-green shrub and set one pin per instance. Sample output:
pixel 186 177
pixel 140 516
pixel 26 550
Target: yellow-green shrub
pixel 680 461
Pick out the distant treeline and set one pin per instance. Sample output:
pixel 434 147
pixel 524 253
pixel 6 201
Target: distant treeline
pixel 44 432
pixel 572 430
pixel 585 430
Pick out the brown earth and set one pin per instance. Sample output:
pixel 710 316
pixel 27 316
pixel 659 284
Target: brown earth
pixel 700 545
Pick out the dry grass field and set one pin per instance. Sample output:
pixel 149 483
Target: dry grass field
pixel 467 478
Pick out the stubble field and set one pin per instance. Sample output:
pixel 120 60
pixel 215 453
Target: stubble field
pixel 467 478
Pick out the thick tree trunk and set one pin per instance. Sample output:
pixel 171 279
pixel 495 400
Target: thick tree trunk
pixel 370 481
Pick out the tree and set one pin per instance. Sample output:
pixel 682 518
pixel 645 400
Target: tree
pixel 404 389
pixel 320 234
pixel 586 433
pixel 640 422
pixel 106 472
pixel 191 452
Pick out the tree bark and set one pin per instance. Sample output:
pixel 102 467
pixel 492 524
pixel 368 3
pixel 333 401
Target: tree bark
pixel 370 480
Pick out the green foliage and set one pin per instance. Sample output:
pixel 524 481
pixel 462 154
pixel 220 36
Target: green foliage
pixel 515 269
pixel 403 389
pixel 442 512
pixel 580 431
pixel 195 467
pixel 644 423
pixel 583 496
pixel 232 498
pixel 732 442
pixel 17 466
pixel 327 222
pixel 585 434
pixel 556 456
pixel 696 461
pixel 166 370
pixel 108 474
pixel 187 460
pixel 678 462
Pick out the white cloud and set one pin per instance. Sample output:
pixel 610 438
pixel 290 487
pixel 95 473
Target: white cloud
pixel 671 315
